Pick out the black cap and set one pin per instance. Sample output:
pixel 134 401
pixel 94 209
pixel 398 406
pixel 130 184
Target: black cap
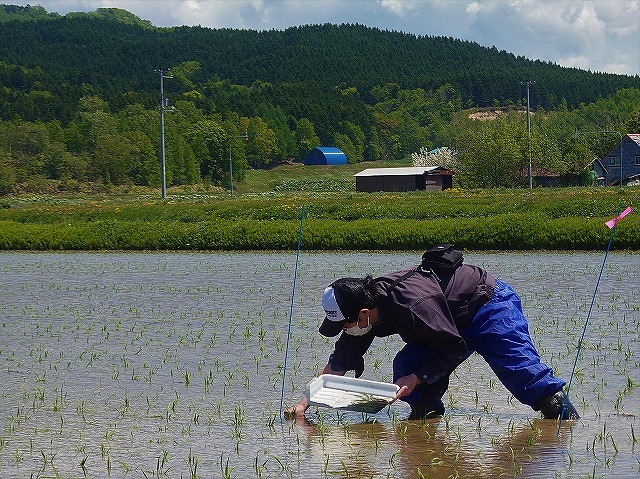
pixel 330 328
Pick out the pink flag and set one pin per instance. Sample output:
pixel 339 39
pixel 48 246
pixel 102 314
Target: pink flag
pixel 612 223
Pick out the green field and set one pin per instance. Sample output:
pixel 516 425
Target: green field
pixel 266 208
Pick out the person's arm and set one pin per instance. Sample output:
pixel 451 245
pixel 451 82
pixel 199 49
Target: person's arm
pixel 301 407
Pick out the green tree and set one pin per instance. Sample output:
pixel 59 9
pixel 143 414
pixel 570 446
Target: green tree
pixel 358 139
pixel 7 175
pixel 263 143
pixel 56 161
pixel 182 166
pixel 546 151
pixel 632 125
pixel 95 120
pixel 28 141
pixel 489 155
pixel 184 72
pixel 111 156
pixel 373 150
pixel 142 163
pixel 306 138
pixel 576 155
pixel 276 120
pixel 208 141
pixel 351 142
pixel 136 117
pixel 343 142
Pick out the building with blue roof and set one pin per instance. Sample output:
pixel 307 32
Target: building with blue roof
pixel 325 155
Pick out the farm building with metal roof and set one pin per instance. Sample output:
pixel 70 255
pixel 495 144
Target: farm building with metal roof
pixel 325 155
pixel 404 179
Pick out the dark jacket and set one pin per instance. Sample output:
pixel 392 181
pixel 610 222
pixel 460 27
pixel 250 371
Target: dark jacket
pixel 420 312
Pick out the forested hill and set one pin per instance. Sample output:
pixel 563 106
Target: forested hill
pixel 79 102
pixel 112 53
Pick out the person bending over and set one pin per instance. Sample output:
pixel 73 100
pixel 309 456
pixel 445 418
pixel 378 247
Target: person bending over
pixel 442 320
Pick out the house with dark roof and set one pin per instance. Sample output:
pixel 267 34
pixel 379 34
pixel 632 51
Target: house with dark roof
pixel 599 172
pixel 623 161
pixel 545 178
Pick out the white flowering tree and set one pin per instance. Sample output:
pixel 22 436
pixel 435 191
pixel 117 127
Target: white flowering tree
pixel 444 157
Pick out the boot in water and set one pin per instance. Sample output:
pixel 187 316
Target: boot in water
pixel 426 409
pixel 552 405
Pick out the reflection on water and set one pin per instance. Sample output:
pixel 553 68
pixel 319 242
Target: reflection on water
pixel 170 365
pixel 440 448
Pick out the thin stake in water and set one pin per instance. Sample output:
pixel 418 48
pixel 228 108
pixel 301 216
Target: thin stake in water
pixel 611 224
pixel 293 292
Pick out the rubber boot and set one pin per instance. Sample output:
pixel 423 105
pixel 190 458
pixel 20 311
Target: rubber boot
pixel 427 408
pixel 552 405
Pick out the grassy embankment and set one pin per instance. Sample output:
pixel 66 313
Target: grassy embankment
pixel 264 214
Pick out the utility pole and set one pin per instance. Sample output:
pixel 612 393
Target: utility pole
pixel 163 107
pixel 246 140
pixel 528 83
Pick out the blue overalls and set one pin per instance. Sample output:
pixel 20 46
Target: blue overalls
pixel 500 334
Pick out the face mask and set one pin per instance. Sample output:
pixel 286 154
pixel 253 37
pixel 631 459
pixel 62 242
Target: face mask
pixel 358 331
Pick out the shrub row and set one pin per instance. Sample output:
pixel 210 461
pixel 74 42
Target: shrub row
pixel 337 206
pixel 485 219
pixel 501 232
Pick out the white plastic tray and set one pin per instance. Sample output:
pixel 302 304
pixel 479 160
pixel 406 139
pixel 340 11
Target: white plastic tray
pixel 341 392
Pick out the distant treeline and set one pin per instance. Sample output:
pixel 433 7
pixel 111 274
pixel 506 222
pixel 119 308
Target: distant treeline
pixel 79 99
pixel 114 54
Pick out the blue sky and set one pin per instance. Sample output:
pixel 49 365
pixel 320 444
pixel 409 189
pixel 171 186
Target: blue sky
pixel 596 35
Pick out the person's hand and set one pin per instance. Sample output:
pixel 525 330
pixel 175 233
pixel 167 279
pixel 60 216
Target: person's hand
pixel 297 411
pixel 407 385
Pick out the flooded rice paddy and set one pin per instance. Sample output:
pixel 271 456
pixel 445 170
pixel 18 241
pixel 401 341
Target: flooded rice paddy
pixel 170 365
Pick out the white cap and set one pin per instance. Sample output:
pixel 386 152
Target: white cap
pixel 330 305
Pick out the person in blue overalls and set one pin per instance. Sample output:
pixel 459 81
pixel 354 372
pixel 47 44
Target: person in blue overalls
pixel 442 324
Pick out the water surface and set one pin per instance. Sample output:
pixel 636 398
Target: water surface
pixel 170 365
